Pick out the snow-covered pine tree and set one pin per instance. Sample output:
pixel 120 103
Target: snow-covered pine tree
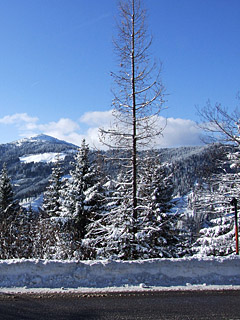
pixel 8 206
pixel 52 196
pixel 19 236
pixel 54 240
pixel 54 234
pixel 217 237
pixel 112 236
pixel 96 199
pixel 80 193
pixel 156 185
pixel 157 227
pixel 9 209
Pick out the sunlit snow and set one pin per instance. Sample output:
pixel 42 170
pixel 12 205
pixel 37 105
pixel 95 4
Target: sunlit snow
pixel 43 157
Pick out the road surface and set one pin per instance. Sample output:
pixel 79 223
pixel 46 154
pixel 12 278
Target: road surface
pixel 146 306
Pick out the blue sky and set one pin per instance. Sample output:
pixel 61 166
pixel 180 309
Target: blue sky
pixel 56 57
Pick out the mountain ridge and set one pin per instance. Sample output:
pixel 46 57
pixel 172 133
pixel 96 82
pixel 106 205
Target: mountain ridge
pixel 40 138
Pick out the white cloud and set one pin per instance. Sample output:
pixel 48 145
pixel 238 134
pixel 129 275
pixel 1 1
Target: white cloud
pixel 18 118
pixel 63 126
pixel 97 118
pixel 178 132
pixel 92 137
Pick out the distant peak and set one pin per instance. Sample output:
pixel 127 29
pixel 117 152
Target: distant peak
pixel 44 137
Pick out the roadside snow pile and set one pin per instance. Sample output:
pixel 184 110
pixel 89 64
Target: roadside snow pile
pixel 106 273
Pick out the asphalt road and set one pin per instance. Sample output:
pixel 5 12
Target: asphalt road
pixel 150 305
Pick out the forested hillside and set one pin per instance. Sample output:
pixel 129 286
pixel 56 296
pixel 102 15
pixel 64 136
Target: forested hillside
pixel 30 175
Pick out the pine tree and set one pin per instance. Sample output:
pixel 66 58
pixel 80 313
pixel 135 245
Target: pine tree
pixel 54 239
pixel 97 197
pixel 20 236
pixel 217 235
pixel 218 239
pixel 8 206
pixel 55 234
pixel 52 196
pixel 112 236
pixel 157 233
pixel 9 211
pixel 79 193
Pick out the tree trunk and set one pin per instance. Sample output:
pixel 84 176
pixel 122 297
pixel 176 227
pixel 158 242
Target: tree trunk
pixel 134 142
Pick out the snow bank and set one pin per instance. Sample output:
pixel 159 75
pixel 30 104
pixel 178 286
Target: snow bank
pixel 102 274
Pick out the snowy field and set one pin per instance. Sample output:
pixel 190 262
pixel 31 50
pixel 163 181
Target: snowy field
pixel 46 157
pixel 93 276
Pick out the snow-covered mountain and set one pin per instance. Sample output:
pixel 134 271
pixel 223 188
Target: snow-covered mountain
pixel 39 139
pixel 29 162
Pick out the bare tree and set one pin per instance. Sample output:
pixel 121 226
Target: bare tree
pixel 220 124
pixel 138 91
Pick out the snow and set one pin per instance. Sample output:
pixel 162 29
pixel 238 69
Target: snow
pixel 46 157
pixel 21 275
pixel 41 137
pixel 45 137
pixel 35 203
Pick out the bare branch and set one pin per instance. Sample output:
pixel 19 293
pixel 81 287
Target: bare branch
pixel 219 124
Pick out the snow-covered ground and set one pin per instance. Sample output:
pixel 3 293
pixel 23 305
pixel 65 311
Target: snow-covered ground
pixel 35 203
pixel 43 157
pixel 107 275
